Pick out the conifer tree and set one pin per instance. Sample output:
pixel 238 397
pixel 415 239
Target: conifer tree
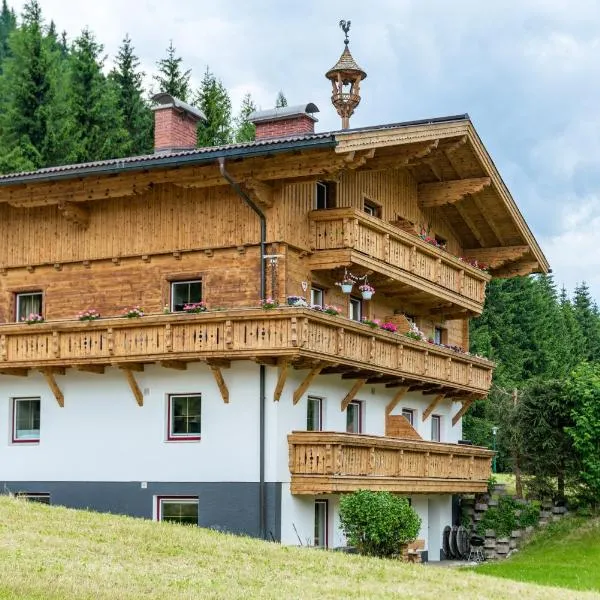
pixel 137 116
pixel 213 99
pixel 281 100
pixel 244 129
pixel 170 78
pixel 8 23
pixel 96 125
pixel 586 314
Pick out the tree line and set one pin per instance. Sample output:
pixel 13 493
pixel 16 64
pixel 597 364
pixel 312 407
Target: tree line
pixel 58 106
pixel 545 398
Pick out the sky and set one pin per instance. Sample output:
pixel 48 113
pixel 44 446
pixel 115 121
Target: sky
pixel 527 73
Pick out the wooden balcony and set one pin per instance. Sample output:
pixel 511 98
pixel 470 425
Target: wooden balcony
pixel 301 337
pixel 404 263
pixel 325 462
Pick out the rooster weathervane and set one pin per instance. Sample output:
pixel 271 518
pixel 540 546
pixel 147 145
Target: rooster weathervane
pixel 345 25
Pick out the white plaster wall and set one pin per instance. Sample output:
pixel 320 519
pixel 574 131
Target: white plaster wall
pixel 440 515
pixel 101 434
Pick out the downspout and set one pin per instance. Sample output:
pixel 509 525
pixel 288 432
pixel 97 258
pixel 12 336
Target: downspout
pixel 262 507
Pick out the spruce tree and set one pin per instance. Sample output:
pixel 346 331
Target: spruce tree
pixel 281 100
pixel 137 116
pixel 96 125
pixel 213 100
pixel 244 129
pixel 170 78
pixel 586 315
pixel 8 23
pixel 28 93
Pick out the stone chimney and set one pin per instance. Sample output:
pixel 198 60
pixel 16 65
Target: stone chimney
pixel 175 124
pixel 284 122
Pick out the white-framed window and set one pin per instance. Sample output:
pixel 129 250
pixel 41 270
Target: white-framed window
pixel 409 415
pixel 439 335
pixel 355 308
pixel 371 208
pixel 26 420
pixel 184 417
pixel 27 304
pixel 436 428
pixel 177 509
pixel 324 195
pixel 185 292
pixel 317 296
pixel 321 537
pixel 314 414
pixel 41 497
pixel 354 417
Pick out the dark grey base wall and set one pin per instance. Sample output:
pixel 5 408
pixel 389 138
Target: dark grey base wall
pixel 226 506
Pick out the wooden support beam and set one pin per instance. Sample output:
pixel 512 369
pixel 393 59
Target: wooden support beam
pixel 16 372
pixel 307 381
pixel 491 224
pixel 130 366
pixel 283 373
pixel 133 385
pixel 352 394
pixel 51 381
pixel 517 268
pixel 432 405
pixel 98 369
pixel 75 213
pixel 216 371
pixel 178 365
pixel 497 256
pixel 471 225
pixel 222 363
pixel 401 392
pixel 449 192
pixel 464 408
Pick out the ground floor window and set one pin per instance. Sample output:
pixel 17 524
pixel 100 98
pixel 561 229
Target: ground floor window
pixel 42 498
pixel 314 414
pixel 184 417
pixel 354 417
pixel 436 429
pixel 178 509
pixel 321 523
pixel 26 420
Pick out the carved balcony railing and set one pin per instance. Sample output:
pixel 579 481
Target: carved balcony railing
pixel 302 337
pixel 326 462
pixel 351 237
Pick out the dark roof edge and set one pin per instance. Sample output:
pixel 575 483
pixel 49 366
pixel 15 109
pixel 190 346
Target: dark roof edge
pixel 432 121
pixel 145 164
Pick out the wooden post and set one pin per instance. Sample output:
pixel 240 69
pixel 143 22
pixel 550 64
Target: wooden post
pixel 432 405
pixel 465 407
pixel 307 381
pixel 133 385
pixel 352 393
pixel 51 381
pixel 283 373
pixel 396 399
pixel 216 371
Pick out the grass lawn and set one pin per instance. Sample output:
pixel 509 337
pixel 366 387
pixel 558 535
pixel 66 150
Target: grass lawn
pixel 53 553
pixel 566 554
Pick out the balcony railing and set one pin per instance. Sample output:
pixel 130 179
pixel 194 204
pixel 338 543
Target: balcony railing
pixel 326 462
pixel 299 334
pixel 350 234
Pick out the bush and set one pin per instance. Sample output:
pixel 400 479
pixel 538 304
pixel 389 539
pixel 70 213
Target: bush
pixel 530 515
pixel 502 519
pixel 378 523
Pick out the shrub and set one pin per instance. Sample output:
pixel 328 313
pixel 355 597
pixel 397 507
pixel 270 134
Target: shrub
pixel 502 519
pixel 378 523
pixel 530 515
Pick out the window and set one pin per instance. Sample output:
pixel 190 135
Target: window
pixel 411 319
pixel 26 420
pixel 28 304
pixel 436 429
pixel 321 523
pixel 178 509
pixel 314 414
pixel 354 417
pixel 42 498
pixel 324 195
pixel 185 292
pixel 184 417
pixel 439 335
pixel 355 309
pixel 317 296
pixel 409 415
pixel 441 241
pixel 371 208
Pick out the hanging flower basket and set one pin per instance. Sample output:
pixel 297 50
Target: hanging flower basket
pixel 347 286
pixel 367 291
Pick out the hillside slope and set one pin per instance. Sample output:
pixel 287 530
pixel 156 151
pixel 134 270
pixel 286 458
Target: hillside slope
pixel 53 553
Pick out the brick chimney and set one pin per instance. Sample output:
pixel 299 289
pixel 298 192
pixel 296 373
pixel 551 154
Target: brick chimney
pixel 175 124
pixel 284 122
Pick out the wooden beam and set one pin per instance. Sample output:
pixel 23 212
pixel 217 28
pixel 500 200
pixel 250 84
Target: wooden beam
pixel 283 373
pixel 464 408
pixel 133 385
pixel 516 269
pixel 307 381
pixel 497 256
pixel 20 372
pixel 471 225
pixel 98 369
pixel 222 363
pixel 351 394
pixel 216 371
pixel 485 214
pixel 51 381
pixel 432 405
pixel 178 365
pixel 78 214
pixel 449 192
pixel 130 366
pixel 396 399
